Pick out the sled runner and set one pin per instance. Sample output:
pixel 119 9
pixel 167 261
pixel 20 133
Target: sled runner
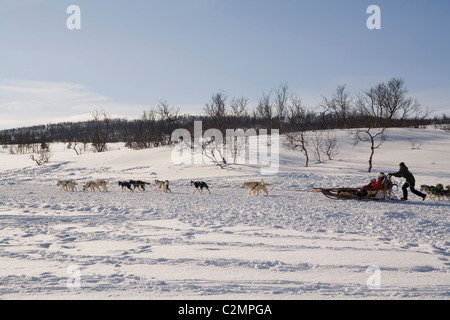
pixel 350 194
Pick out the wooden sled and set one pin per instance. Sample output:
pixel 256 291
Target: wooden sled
pixel 353 194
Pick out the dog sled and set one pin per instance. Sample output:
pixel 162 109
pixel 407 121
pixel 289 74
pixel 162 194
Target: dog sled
pixel 382 194
pixel 351 194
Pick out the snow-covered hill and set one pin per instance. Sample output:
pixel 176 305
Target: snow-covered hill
pixel 290 244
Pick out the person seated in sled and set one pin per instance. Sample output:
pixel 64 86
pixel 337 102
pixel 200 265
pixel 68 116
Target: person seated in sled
pixel 374 185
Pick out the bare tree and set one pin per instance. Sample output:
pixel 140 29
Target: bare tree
pixel 237 140
pixel 317 144
pixel 415 143
pixel 146 133
pixel 216 109
pixel 389 103
pixel 340 106
pixel 297 114
pixel 375 132
pixel 298 140
pixel 212 147
pixel 397 105
pixel 374 136
pixel 78 147
pixel 281 105
pixel 264 110
pixel 299 123
pixel 239 107
pixel 5 140
pixel 379 108
pixel 170 118
pixel 238 112
pixel 330 146
pixel 102 130
pixel 44 157
pixel 373 116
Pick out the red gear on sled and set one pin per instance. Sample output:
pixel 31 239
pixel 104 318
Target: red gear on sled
pixel 376 186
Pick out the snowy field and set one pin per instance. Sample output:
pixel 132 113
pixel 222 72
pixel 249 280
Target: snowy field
pixel 290 244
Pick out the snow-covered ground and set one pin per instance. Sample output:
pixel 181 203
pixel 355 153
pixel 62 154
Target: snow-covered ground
pixel 290 244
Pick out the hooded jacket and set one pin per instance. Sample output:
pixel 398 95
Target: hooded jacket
pixel 378 185
pixel 404 173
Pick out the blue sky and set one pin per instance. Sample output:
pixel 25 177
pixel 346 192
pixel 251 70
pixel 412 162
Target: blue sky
pixel 129 55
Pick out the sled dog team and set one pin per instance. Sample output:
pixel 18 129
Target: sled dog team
pixel 161 186
pixel 255 187
pixel 436 191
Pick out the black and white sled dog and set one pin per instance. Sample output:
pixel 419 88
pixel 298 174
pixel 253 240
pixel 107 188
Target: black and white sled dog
pixel 199 186
pixel 442 193
pixel 436 192
pixel 138 184
pixel 162 186
pixel 125 184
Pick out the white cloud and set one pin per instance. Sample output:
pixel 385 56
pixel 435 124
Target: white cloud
pixel 437 100
pixel 24 103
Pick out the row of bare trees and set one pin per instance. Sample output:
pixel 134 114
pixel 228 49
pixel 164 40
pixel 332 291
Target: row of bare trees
pixel 366 114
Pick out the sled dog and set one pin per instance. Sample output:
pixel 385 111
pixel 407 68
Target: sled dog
pixel 199 186
pixel 72 185
pixel 436 192
pixel 138 184
pixel 249 185
pixel 162 186
pixel 62 184
pixel 125 184
pixel 261 187
pixel 430 190
pixel 447 191
pixel 90 185
pixel 93 185
pixel 67 185
pixel 103 184
pixel 256 187
pixel 441 192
